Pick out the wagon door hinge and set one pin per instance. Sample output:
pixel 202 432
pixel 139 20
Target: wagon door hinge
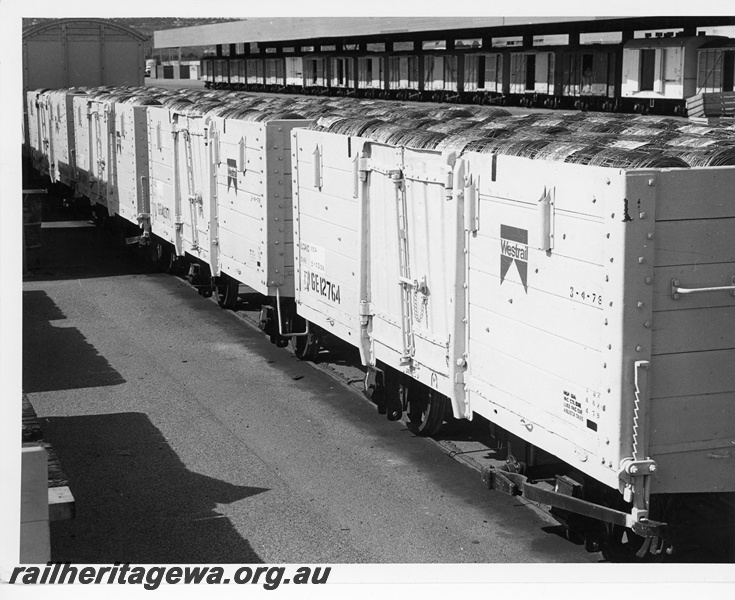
pixel 363 168
pixel 396 176
pixel 449 183
pixel 367 354
pixel 366 311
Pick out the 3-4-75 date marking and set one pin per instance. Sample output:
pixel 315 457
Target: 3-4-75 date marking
pixel 591 297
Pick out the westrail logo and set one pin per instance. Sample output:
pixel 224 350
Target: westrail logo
pixel 514 249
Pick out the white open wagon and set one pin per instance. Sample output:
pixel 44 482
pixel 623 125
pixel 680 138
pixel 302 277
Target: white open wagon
pixel 586 310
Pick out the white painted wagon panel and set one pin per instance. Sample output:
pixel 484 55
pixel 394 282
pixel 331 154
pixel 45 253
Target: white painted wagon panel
pixel 538 405
pixel 522 181
pixel 547 314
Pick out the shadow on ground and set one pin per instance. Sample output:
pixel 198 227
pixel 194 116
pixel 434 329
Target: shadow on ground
pixel 47 348
pixel 136 501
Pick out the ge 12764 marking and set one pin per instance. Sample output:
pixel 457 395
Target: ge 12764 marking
pixel 318 284
pixel 591 297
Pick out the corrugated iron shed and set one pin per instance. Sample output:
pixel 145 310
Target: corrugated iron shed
pixel 82 52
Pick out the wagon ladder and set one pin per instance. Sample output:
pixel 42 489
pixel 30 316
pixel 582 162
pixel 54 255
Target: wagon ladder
pixel 194 198
pixel 404 268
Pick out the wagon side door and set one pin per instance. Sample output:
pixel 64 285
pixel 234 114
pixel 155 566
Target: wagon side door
pixel 163 205
pixel 415 263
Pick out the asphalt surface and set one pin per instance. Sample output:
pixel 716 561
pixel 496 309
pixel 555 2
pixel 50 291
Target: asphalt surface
pixel 188 438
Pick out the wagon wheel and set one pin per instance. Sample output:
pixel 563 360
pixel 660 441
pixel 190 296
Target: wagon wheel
pixel 162 256
pixel 100 216
pixel 621 545
pixel 426 410
pixel 306 347
pixel 227 289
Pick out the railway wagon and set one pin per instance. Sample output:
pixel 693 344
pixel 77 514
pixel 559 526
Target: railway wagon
pixel 254 71
pixel 275 74
pixel 316 73
pixel 438 266
pixel 131 138
pixel 440 77
pixel 483 76
pixel 37 130
pixel 238 74
pixel 371 75
pixel 586 310
pixel 61 148
pixel 716 67
pixel 588 78
pixel 294 74
pixel 582 77
pixel 220 195
pixel 532 75
pixel 403 76
pixel 342 75
pixel 659 74
pixel 650 75
pixel 95 148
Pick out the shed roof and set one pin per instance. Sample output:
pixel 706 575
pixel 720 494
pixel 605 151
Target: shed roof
pixel 41 28
pixel 335 29
pixel 281 29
